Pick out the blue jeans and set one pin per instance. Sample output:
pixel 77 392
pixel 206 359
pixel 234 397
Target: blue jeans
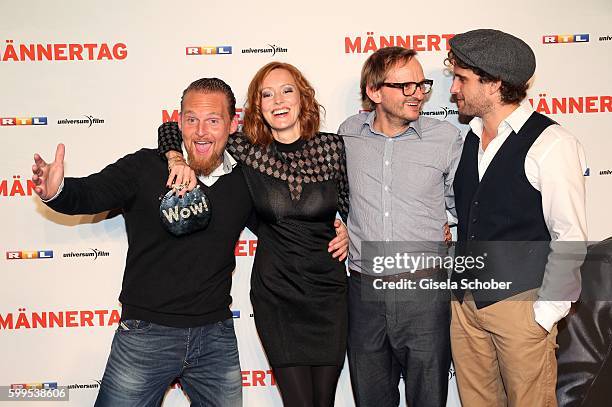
pixel 394 334
pixel 145 358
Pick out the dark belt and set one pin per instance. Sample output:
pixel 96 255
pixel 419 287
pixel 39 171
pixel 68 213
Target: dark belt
pixel 417 275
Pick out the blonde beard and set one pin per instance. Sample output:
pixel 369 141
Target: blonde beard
pixel 204 167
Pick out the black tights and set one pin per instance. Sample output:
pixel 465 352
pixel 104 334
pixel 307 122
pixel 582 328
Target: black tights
pixel 307 386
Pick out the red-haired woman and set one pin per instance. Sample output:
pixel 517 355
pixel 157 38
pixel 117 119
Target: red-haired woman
pixel 298 182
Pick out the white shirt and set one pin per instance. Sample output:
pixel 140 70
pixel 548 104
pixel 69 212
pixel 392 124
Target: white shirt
pixel 554 165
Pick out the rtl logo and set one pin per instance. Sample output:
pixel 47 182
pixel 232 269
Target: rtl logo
pixel 29 254
pixel 209 50
pixel 45 385
pixel 23 121
pixel 565 38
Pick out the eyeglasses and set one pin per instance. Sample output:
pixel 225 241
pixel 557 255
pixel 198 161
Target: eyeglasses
pixel 409 88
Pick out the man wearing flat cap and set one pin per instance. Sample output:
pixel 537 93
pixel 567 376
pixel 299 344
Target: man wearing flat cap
pixel 519 183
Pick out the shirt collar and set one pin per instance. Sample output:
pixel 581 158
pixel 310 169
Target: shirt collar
pixel 414 125
pixel 515 120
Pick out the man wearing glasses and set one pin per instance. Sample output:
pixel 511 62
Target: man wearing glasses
pixel 401 168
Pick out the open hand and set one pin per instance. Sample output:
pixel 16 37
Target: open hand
pixel 48 177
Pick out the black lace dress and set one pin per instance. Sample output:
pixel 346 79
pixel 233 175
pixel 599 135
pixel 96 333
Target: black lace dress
pixel 298 290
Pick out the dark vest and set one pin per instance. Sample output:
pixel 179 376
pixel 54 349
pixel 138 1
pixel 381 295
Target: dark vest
pixel 501 215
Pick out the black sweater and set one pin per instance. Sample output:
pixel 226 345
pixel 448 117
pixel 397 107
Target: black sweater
pixel 174 281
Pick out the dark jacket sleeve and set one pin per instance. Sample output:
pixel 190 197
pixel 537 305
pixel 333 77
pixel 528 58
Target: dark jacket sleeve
pixel 112 188
pixel 169 138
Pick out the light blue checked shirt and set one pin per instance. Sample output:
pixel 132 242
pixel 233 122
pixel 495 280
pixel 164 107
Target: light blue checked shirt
pixel 399 187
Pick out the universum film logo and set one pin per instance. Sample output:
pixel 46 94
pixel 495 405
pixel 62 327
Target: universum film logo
pixel 444 112
pixel 209 50
pixel 93 254
pixel 565 38
pixel 89 121
pixel 83 386
pixel 271 49
pixel 605 38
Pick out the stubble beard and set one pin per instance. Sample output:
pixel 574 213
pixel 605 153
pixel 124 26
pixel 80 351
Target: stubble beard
pixel 397 115
pixel 478 107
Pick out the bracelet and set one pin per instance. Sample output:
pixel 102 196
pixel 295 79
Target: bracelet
pixel 174 160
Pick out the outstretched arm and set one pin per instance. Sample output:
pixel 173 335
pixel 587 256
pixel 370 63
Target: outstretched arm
pixel 108 189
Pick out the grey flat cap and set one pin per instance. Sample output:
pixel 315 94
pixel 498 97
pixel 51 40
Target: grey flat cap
pixel 497 53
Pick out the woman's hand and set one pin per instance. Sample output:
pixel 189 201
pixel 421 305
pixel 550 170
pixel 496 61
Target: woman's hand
pixel 339 245
pixel 448 236
pixel 182 178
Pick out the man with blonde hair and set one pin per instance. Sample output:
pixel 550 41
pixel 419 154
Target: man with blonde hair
pixel 176 323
